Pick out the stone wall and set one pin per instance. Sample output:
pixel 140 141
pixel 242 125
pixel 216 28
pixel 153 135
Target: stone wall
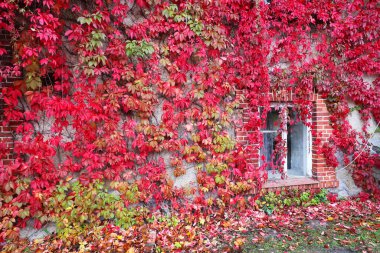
pixel 322 176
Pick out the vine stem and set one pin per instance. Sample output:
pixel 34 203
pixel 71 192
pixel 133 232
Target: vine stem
pixel 362 150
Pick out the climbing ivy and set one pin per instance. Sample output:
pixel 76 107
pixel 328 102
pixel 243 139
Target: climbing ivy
pixel 145 89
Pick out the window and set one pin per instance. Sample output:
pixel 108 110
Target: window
pixel 287 144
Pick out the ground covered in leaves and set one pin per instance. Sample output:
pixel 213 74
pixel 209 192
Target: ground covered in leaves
pixel 343 226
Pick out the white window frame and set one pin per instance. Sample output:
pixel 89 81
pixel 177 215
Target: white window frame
pixel 284 135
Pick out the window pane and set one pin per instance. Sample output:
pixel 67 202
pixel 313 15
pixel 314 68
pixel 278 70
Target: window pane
pixel 268 149
pixel 272 122
pixel 297 146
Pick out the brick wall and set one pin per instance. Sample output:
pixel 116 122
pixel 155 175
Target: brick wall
pixel 6 131
pixel 323 176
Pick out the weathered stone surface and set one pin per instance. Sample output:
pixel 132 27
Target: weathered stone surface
pixel 347 186
pixel 187 180
pixel 31 233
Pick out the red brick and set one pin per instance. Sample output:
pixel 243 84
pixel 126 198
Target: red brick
pixel 7 161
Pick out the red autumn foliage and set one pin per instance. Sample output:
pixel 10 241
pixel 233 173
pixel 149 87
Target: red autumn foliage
pixel 109 89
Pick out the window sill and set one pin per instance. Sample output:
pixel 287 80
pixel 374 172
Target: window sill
pixel 290 182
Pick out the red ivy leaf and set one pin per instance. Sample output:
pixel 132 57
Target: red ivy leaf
pixel 142 3
pixel 37 224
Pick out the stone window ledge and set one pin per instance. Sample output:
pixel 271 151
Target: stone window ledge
pixel 290 182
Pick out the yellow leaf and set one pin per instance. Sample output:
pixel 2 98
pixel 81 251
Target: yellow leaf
pixel 131 250
pixel 38 241
pixel 239 242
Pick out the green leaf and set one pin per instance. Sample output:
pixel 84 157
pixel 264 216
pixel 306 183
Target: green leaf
pixel 219 179
pixel 84 20
pixel 178 245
